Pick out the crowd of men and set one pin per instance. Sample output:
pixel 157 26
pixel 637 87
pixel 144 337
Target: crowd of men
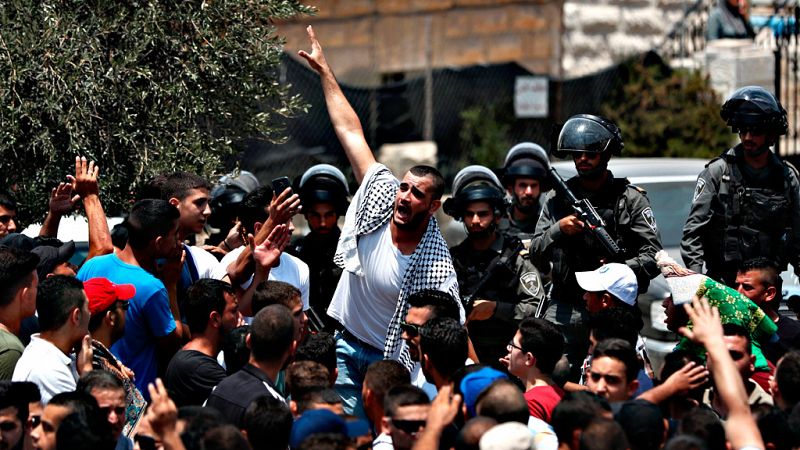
pixel 377 335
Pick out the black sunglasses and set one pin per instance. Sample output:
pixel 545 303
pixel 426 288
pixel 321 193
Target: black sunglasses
pixel 408 426
pixel 145 442
pixel 410 329
pixel 8 426
pixel 34 421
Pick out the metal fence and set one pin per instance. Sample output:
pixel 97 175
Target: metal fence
pixel 395 113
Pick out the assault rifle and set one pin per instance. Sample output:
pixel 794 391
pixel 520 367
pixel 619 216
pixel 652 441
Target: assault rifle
pixel 585 212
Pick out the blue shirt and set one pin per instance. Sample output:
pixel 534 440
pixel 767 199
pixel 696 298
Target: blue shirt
pixel 149 316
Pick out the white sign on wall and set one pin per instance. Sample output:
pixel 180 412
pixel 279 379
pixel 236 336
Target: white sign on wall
pixel 530 97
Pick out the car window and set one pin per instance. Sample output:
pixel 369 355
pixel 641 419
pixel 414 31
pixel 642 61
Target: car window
pixel 671 202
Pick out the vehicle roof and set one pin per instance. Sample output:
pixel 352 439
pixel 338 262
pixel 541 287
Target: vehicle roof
pixel 644 169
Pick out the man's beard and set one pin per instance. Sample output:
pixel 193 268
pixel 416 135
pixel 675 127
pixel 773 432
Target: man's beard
pixel 593 173
pixel 414 222
pixel 482 234
pixel 525 208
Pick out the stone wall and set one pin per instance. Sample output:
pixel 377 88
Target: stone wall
pixel 364 39
pixel 598 33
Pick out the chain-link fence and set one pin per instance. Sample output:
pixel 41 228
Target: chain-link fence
pixel 395 113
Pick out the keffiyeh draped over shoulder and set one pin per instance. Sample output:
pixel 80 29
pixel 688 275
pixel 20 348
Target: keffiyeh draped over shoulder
pixel 733 307
pixel 430 266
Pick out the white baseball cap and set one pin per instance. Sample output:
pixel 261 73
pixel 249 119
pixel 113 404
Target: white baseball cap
pixel 618 279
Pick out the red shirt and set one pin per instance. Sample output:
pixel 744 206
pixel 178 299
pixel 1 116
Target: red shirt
pixel 542 400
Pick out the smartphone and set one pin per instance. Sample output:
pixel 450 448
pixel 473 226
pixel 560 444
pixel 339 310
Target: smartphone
pixel 280 184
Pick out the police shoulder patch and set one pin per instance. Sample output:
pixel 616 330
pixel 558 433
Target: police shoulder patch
pixel 530 283
pixel 649 218
pixel 701 183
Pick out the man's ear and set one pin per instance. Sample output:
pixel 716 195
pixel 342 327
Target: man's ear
pixel 771 292
pixel 215 318
pixel 293 407
pixel 607 300
pixel 247 341
pixel 75 315
pixel 257 227
pixel 435 205
pixel 111 318
pixel 174 202
pixel 632 387
pixel 385 425
pixel 530 360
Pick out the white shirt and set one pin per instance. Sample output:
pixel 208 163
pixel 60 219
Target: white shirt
pixel 365 304
pixel 205 263
pixel 290 270
pixel 48 367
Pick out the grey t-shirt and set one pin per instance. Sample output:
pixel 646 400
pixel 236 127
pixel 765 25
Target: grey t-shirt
pixel 10 351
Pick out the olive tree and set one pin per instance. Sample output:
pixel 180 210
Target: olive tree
pixel 141 86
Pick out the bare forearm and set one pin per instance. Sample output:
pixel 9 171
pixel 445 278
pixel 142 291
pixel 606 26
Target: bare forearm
pixel 347 125
pixel 99 234
pixel 50 225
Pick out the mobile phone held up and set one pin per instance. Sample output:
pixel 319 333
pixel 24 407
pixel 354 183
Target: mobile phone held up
pixel 280 184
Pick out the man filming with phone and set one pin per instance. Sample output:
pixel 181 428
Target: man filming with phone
pixel 390 247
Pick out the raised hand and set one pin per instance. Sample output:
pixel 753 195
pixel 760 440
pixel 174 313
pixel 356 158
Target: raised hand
pixel 269 251
pixel 62 202
pixel 84 183
pixel 162 413
pixel 706 325
pixel 689 377
pixel 284 206
pixel 316 59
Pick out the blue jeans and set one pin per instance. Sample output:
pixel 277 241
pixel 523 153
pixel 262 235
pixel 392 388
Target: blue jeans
pixel 352 359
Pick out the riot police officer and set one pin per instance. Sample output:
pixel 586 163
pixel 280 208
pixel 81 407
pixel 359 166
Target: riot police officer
pixel 746 202
pixel 501 286
pixel 524 175
pixel 323 193
pixel 564 240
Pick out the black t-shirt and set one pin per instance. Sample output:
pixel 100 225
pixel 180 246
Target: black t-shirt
pixel 190 377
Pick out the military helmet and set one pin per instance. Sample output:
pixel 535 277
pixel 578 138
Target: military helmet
pixel 323 183
pixel 226 196
pixel 527 160
pixel 475 184
pixel 754 108
pixel 585 133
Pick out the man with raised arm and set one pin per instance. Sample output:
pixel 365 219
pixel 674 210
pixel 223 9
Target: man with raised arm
pixel 390 247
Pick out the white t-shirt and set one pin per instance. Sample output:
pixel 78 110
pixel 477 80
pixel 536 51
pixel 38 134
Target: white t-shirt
pixel 290 270
pixel 48 367
pixel 365 305
pixel 205 263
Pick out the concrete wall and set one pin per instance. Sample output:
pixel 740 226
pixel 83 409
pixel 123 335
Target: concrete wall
pixel 598 33
pixel 366 38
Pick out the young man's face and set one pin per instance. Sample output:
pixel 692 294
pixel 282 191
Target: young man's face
pixel 517 358
pixel 8 221
pixel 416 317
pixel 44 435
pixel 675 315
pixel 414 202
pixel 751 285
pixel 594 301
pixel 755 142
pixel 299 318
pixel 169 246
pixel 526 193
pixel 741 355
pixel 112 405
pixel 11 428
pixel 406 425
pixel 194 209
pixel 479 219
pixel 322 218
pixel 607 379
pixel 586 162
pixel 230 315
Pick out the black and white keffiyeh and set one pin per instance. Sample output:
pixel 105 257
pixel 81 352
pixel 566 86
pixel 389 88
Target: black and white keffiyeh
pixel 430 267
